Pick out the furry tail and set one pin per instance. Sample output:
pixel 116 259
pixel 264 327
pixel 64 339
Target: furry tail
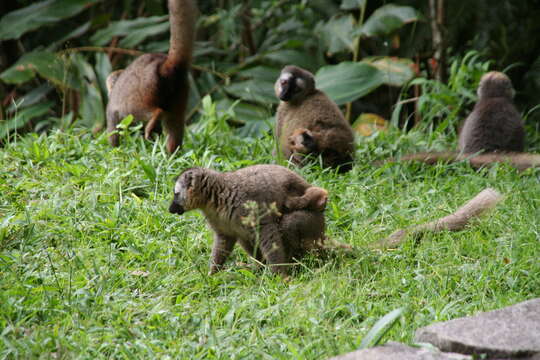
pixel 520 161
pixel 484 201
pixel 182 18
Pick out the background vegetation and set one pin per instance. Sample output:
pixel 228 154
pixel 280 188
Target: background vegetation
pixel 56 54
pixel 93 266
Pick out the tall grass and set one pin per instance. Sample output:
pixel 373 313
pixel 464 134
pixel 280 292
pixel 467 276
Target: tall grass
pixel 93 266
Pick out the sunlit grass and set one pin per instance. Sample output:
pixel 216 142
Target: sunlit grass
pixel 92 265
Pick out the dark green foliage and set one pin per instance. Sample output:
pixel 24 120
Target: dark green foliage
pixel 240 51
pixel 241 48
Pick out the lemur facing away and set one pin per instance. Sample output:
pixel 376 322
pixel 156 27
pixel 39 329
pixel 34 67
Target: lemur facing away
pixel 492 133
pixel 154 88
pixel 309 123
pixel 494 124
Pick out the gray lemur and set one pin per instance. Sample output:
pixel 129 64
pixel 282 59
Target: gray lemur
pixel 494 124
pixel 276 237
pixel 492 133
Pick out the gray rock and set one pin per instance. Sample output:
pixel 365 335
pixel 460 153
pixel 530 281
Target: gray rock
pixel 510 332
pixel 397 351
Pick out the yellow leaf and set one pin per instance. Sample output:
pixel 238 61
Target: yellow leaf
pixel 368 123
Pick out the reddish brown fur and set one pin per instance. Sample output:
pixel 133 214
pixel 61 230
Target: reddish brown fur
pixel 154 88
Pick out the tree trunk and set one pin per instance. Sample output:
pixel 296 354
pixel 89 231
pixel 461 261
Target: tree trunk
pixel 437 13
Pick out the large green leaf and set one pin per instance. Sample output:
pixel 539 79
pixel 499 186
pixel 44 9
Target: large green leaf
pixel 18 22
pixel 389 18
pixel 18 73
pixel 92 105
pixel 248 120
pixel 253 90
pixel 256 120
pixel 243 112
pixel 348 81
pixel 33 97
pixel 396 71
pixel 79 31
pixel 266 73
pixel 338 34
pixel 256 129
pixel 136 30
pixel 289 56
pixel 49 65
pixel 352 4
pixel 160 46
pixel 102 68
pixel 136 37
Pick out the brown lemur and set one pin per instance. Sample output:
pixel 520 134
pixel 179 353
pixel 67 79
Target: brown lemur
pixel 154 88
pixel 494 125
pixel 493 132
pixel 295 227
pixel 309 122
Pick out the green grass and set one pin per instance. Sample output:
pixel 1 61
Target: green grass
pixel 93 266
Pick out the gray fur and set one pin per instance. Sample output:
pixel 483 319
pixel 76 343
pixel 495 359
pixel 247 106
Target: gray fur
pixel 296 227
pixel 494 124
